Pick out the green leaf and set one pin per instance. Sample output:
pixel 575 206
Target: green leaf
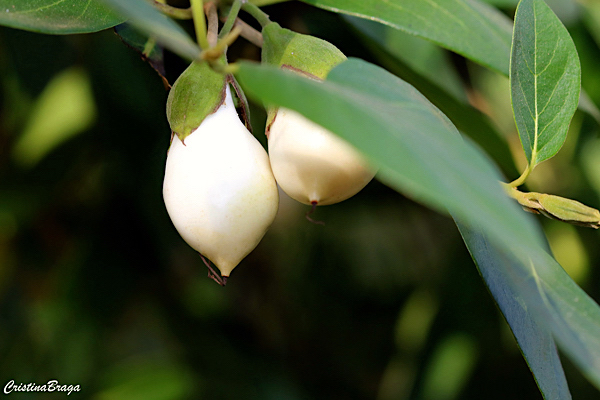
pixel 545 78
pixel 502 3
pixel 467 27
pixel 392 49
pixel 417 148
pixel 551 298
pixel 152 22
pixel 575 316
pixel 146 47
pixel 421 154
pixel 422 56
pixel 533 335
pixel 58 17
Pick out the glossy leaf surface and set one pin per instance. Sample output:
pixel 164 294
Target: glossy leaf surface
pixel 499 271
pixel 430 70
pixel 545 77
pixel 424 57
pixel 58 17
pixel 147 19
pixel 467 27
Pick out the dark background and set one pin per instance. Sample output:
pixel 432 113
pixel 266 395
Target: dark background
pixel 383 302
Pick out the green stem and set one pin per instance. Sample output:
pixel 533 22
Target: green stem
pixel 520 180
pixel 256 13
pixel 199 23
pixel 148 47
pixel 173 12
pixel 249 33
pixel 233 13
pixel 214 53
pixel 213 24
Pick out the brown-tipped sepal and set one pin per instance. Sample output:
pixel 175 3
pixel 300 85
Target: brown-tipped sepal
pixel 304 54
pixel 198 92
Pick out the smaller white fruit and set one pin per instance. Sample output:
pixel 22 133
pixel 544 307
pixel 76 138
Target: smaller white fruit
pixel 313 165
pixel 219 189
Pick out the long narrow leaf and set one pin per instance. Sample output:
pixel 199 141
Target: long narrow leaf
pixel 467 27
pixel 424 57
pixel 532 334
pixel 439 82
pixel 147 19
pixel 58 17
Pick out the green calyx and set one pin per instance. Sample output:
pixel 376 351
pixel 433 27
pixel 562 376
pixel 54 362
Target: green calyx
pixel 303 54
pixel 198 92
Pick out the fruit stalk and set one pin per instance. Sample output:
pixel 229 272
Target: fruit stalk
pixel 199 23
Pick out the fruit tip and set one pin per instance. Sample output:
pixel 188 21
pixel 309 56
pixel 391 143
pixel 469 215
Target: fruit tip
pixel 220 279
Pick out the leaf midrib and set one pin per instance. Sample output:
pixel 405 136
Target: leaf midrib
pixel 534 151
pixel 39 8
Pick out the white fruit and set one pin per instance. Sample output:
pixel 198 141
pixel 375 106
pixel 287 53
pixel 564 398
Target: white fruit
pixel 311 164
pixel 219 189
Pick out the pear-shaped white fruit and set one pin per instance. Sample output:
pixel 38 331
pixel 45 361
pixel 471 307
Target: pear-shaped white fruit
pixel 313 165
pixel 219 189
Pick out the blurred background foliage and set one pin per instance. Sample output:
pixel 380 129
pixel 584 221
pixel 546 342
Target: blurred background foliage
pixel 383 302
